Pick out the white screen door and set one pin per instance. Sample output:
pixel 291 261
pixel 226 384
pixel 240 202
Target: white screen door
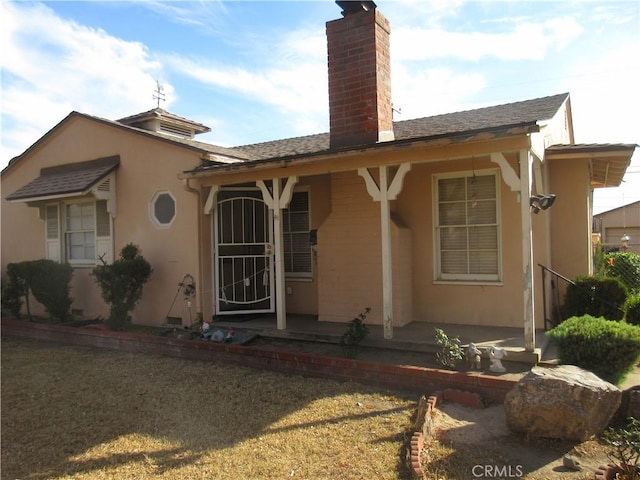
pixel 244 280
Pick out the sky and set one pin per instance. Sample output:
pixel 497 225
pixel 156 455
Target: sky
pixel 256 71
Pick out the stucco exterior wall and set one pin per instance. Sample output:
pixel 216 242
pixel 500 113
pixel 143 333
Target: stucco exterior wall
pixel 570 221
pixel 146 166
pixel 302 294
pixel 349 253
pixel 450 302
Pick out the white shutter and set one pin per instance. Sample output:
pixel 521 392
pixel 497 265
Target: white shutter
pixel 104 241
pixel 52 221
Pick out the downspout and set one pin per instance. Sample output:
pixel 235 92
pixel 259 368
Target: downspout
pixel 200 283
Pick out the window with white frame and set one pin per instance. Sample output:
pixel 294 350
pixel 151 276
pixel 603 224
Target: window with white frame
pixel 80 232
pixel 467 227
pixel 296 231
pixel 163 209
pixel 82 235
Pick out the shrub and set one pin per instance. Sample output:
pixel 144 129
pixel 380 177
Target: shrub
pixel 624 266
pixel 450 350
pixel 355 334
pixel 15 289
pixel 607 348
pixel 632 309
pixel 11 297
pixel 47 280
pixel 121 284
pixel 624 443
pixel 596 296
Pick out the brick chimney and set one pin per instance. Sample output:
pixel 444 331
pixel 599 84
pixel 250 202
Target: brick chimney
pixel 360 109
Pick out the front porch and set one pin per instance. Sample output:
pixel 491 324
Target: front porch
pixel 413 337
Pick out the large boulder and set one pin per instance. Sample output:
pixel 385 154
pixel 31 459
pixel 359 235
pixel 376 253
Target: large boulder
pixel 564 402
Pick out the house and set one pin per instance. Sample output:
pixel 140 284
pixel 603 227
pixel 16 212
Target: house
pixel 441 219
pixel 619 229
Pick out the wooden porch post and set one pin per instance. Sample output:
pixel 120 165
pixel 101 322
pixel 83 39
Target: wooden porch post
pixel 277 201
pixel 383 193
pixel 526 162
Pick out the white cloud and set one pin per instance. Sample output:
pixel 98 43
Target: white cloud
pixel 433 91
pixel 605 98
pixel 52 66
pixel 526 41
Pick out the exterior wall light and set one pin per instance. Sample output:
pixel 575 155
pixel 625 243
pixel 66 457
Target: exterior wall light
pixel 541 202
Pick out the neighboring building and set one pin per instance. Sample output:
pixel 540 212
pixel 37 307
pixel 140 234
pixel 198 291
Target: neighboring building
pixel 426 220
pixel 619 229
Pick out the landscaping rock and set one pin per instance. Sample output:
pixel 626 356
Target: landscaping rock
pixel 630 405
pixel 565 402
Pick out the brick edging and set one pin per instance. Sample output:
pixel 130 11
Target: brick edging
pixel 402 377
pixel 423 427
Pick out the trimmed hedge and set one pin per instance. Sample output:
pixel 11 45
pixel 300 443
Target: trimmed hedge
pixel 610 349
pixel 47 280
pixel 632 309
pixel 596 296
pixel 121 284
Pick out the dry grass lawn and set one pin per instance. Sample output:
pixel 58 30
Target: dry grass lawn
pixel 83 413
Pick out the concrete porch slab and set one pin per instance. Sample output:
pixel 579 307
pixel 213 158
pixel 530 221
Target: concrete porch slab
pixel 415 336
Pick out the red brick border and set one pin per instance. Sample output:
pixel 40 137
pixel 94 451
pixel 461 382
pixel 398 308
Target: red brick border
pixel 401 377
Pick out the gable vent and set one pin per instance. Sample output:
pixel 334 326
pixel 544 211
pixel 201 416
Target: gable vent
pixel 177 130
pixel 104 186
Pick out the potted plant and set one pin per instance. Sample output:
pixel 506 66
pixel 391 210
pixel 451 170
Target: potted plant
pixel 624 443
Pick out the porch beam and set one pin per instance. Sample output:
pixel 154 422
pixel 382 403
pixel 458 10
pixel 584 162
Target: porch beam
pixel 277 200
pixel 526 162
pixel 383 192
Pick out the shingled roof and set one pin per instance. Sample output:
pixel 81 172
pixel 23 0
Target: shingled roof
pixel 70 179
pixel 526 112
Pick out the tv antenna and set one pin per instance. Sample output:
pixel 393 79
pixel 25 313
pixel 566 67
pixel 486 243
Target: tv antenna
pixel 158 93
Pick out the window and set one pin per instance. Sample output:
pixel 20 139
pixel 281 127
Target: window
pixel 163 209
pixel 296 230
pixel 83 233
pixel 80 232
pixel 467 227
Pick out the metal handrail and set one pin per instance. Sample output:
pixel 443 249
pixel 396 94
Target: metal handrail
pixel 548 321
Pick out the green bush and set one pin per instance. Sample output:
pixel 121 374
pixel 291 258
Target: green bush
pixel 47 280
pixel 49 283
pixel 121 284
pixel 607 348
pixel 632 309
pixel 624 266
pixel 14 289
pixel 450 352
pixel 596 296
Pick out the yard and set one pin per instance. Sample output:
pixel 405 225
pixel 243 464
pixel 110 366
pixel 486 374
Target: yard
pixel 74 412
pixel 78 413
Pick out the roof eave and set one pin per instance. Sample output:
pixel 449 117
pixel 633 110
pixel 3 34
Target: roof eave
pixel 609 162
pixel 430 140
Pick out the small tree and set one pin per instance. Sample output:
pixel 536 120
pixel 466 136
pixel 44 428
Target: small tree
pixel 355 334
pixel 121 284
